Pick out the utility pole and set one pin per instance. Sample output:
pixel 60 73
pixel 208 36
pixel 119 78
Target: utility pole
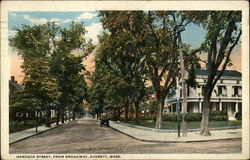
pixel 183 85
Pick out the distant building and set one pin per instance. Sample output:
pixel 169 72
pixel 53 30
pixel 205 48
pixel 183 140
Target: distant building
pixel 14 113
pixel 226 96
pixel 13 87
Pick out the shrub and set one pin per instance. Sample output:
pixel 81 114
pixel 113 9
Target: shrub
pixel 141 119
pixel 225 118
pixel 113 118
pixel 238 115
pixel 193 117
pixel 170 117
pixel 149 118
pixel 218 116
pixel 190 117
pixel 213 113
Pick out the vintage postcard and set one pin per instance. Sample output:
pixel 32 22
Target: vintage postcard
pixel 124 80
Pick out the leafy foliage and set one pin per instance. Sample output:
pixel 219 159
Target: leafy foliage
pixel 151 38
pixel 34 45
pixel 52 65
pixel 223 34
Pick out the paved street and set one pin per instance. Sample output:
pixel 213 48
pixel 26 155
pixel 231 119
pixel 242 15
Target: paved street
pixel 85 136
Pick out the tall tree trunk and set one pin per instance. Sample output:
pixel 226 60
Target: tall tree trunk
pixel 137 112
pixel 126 111
pixel 70 114
pixel 206 101
pixel 184 108
pixel 98 116
pixel 162 105
pixel 73 115
pixel 159 110
pixel 205 115
pixel 58 117
pixel 66 115
pixel 62 115
pixel 114 113
pixel 118 113
pixel 48 120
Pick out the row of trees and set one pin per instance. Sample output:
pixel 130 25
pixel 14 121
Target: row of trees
pixel 142 47
pixel 138 49
pixel 52 64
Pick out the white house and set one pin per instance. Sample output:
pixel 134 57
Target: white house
pixel 227 94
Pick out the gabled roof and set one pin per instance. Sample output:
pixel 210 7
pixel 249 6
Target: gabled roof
pixel 17 86
pixel 226 73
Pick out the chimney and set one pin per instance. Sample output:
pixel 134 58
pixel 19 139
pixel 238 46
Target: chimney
pixel 12 79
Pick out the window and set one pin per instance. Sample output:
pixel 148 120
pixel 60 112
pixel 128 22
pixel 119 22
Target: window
pixel 236 91
pixel 219 90
pixel 19 114
pixel 203 91
pixel 188 91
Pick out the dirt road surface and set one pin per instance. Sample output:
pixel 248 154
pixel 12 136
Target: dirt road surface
pixel 86 136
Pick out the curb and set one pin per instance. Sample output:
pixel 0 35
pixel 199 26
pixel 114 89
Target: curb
pixel 182 141
pixel 37 133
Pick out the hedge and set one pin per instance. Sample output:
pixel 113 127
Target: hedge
pixel 218 116
pixel 170 117
pixel 213 113
pixel 133 118
pixel 191 117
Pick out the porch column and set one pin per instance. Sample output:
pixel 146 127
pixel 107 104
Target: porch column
pixel 200 106
pixel 172 108
pixel 220 105
pixel 237 107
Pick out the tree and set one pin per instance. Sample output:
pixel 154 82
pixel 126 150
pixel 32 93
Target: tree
pixel 33 43
pixel 155 37
pixel 223 34
pixel 41 84
pixel 119 54
pixel 108 88
pixel 25 102
pixel 66 65
pixel 53 66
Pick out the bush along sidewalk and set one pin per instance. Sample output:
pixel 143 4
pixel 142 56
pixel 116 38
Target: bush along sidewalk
pixel 218 116
pixel 190 117
pixel 195 117
pixel 18 126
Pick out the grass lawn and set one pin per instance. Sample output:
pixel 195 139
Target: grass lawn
pixel 190 125
pixel 19 126
pixel 15 126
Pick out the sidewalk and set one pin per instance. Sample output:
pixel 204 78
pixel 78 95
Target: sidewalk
pixel 18 136
pixel 161 135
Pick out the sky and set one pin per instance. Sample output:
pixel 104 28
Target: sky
pixel 192 35
pixel 90 19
